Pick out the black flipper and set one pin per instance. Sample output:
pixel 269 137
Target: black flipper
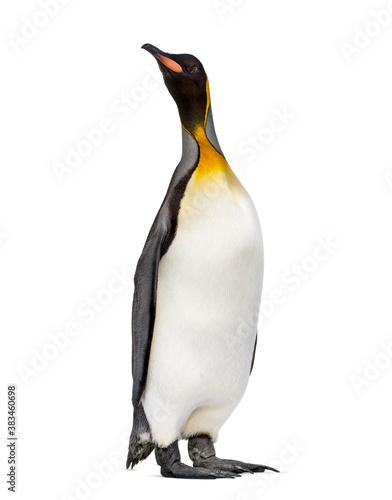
pixel 253 357
pixel 144 301
pixel 158 242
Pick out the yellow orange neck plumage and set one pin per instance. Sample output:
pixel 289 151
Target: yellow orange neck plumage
pixel 210 161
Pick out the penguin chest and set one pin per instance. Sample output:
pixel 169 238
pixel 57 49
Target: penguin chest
pixel 209 288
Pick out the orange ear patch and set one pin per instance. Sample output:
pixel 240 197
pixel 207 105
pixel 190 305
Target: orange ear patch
pixel 170 63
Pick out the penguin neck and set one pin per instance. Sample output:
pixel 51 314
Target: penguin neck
pixel 200 125
pixel 211 160
pixel 194 111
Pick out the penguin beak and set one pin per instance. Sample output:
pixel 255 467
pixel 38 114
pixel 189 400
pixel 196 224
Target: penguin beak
pixel 165 61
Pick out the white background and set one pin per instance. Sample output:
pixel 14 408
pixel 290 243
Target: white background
pixel 324 176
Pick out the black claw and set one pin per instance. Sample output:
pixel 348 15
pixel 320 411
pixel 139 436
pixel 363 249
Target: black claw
pixel 271 468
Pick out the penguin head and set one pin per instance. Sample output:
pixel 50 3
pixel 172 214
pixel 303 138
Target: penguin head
pixel 187 82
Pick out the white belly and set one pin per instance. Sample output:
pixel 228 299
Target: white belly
pixel 209 288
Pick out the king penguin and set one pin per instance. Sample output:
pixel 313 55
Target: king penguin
pixel 197 288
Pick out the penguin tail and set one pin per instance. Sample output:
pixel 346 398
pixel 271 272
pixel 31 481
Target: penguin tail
pixel 138 451
pixel 140 442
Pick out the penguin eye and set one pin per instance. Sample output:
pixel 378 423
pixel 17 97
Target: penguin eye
pixel 192 69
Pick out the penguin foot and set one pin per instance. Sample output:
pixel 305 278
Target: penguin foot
pixel 180 470
pixel 202 453
pixel 171 466
pixel 234 466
